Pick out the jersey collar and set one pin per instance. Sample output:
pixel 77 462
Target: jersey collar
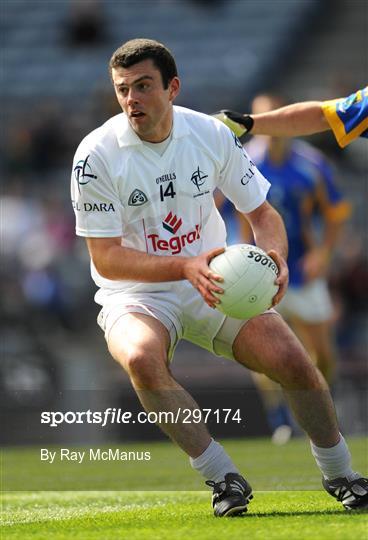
pixel 181 127
pixel 126 136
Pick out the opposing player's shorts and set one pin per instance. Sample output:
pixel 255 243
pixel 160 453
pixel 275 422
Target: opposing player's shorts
pixel 311 303
pixel 181 310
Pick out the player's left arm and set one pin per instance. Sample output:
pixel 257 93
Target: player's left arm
pixel 334 211
pixel 270 235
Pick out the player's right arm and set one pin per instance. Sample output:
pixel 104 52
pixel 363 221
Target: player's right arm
pixel 293 120
pixel 346 117
pixel 116 262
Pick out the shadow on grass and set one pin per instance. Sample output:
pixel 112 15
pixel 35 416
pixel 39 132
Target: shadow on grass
pixel 340 512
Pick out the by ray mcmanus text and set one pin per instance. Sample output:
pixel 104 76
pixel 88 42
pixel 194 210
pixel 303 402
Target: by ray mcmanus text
pixel 92 454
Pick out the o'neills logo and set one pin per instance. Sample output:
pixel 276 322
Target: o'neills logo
pixel 176 243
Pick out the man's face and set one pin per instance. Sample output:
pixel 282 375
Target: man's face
pixel 141 94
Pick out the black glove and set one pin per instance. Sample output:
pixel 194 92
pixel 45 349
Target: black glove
pixel 237 122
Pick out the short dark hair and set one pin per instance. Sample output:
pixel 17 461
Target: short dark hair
pixel 137 50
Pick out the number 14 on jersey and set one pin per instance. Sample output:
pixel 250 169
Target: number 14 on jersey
pixel 167 192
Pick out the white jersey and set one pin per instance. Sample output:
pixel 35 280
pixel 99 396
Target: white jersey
pixel 162 205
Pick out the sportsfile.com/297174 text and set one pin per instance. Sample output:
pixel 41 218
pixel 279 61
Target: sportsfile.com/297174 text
pixel 113 415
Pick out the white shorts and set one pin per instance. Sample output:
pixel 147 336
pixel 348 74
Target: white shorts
pixel 181 310
pixel 311 303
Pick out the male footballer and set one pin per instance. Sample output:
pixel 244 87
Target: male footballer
pixel 142 190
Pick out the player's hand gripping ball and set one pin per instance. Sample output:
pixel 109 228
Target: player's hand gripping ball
pixel 249 280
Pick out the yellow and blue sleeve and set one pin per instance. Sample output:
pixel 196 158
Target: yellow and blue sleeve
pixel 348 116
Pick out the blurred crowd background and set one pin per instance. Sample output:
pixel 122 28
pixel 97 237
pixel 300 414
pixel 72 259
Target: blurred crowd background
pixel 55 89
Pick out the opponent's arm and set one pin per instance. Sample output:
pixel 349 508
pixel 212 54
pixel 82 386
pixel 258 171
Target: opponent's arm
pixel 317 260
pixel 293 120
pixel 270 235
pixel 305 118
pixel 116 262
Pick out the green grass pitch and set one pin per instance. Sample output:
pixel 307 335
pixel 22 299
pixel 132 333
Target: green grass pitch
pixel 288 501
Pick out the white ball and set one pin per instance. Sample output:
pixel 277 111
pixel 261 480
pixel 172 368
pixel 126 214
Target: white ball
pixel 249 280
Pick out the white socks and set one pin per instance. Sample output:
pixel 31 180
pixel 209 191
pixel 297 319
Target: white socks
pixel 214 463
pixel 334 462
